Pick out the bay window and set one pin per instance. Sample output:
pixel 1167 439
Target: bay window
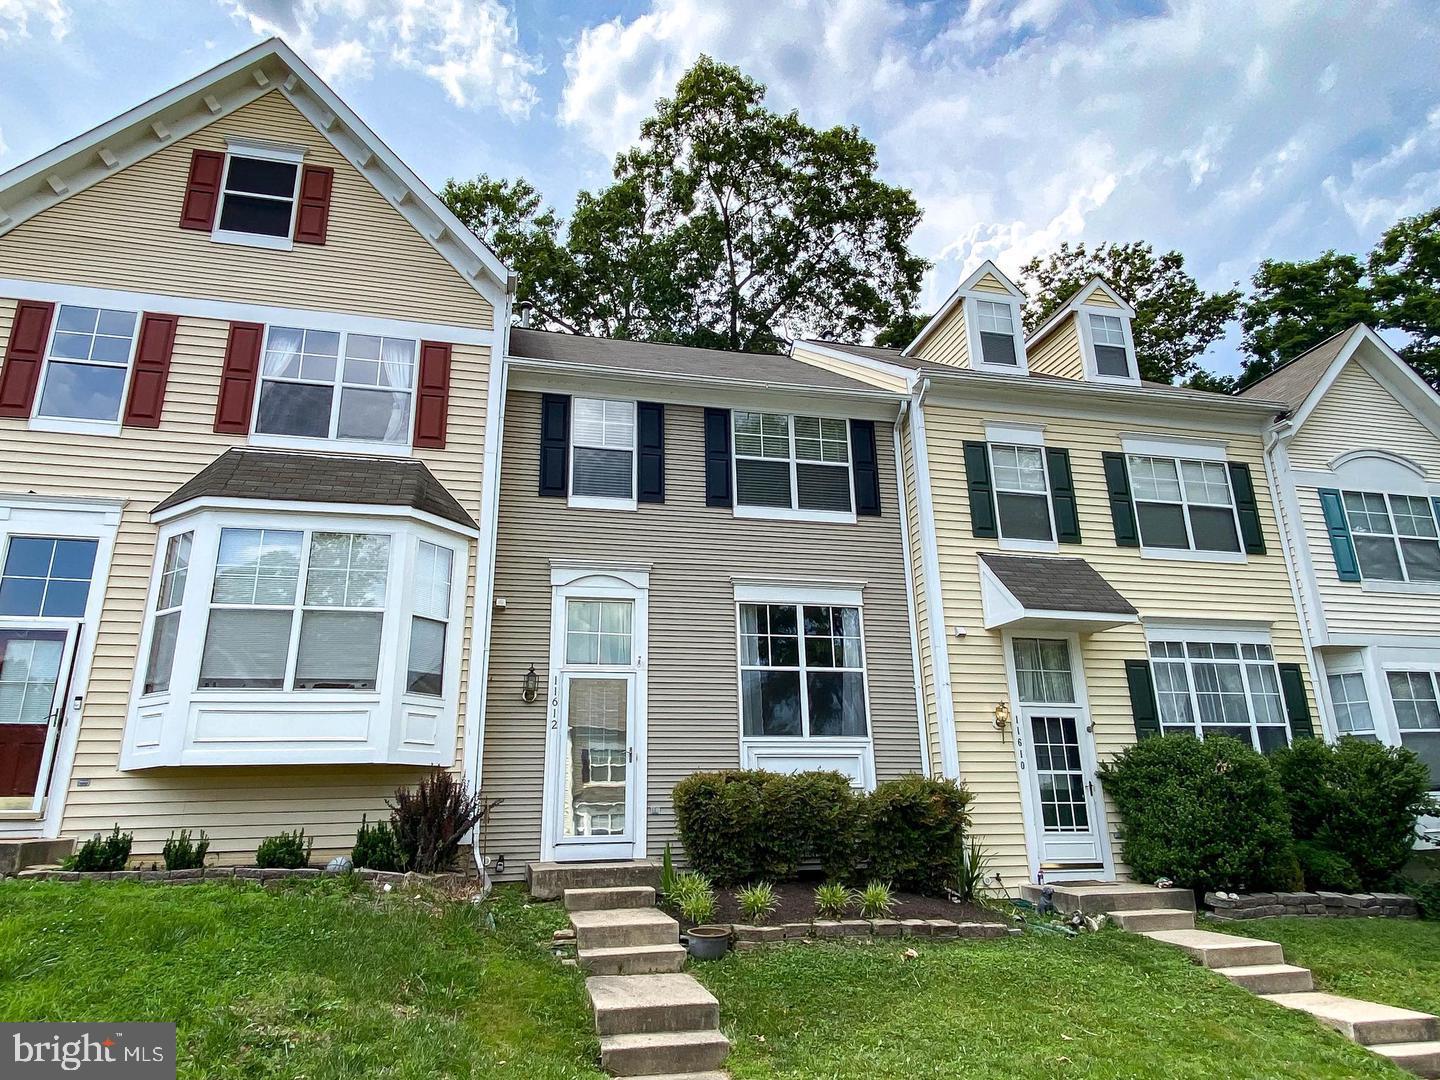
pixel 1220 688
pixel 1416 698
pixel 788 465
pixel 174 573
pixel 1352 705
pixel 425 669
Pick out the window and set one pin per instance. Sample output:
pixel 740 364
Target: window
pixel 46 577
pixel 1042 671
pixel 602 465
pixel 87 364
pixel 1022 493
pixel 1395 536
pixel 1220 688
pixel 1107 334
pixel 792 463
pixel 599 631
pixel 251 643
pixel 1182 504
pixel 312 388
pixel 997 332
pixel 1417 715
pixel 259 196
pixel 1352 705
pixel 801 671
pixel 425 670
pixel 173 573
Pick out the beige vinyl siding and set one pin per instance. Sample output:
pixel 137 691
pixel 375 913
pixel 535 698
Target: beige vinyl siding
pixel 124 233
pixel 1357 413
pixel 990 283
pixel 235 806
pixel 1058 353
pixel 1100 298
pixel 949 343
pixel 692 551
pixel 920 599
pixel 1257 589
pixel 849 368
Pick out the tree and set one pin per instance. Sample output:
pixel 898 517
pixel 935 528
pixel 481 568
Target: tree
pixel 1297 305
pixel 1175 320
pixel 1405 281
pixel 902 329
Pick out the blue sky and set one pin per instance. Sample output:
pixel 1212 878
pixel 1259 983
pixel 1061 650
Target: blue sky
pixel 1230 129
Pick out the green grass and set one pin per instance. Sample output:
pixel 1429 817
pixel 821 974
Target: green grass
pixel 1392 961
pixel 315 980
pixel 1101 1005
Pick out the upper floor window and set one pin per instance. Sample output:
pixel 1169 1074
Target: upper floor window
pixel 1395 536
pixel 792 463
pixel 1022 493
pixel 996 322
pixel 1182 504
pixel 87 363
pixel 1107 333
pixel 802 670
pixel 1220 688
pixel 257 197
pixel 602 467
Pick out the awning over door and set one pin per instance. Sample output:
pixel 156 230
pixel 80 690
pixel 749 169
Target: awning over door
pixel 1036 592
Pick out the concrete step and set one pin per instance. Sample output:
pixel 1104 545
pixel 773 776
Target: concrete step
pixel 1270 978
pixel 17 855
pixel 1365 1022
pixel 1220 950
pixel 1137 922
pixel 651 960
pixel 622 927
pixel 549 880
pixel 675 1051
pixel 634 1004
pixel 1104 897
pixel 623 896
pixel 1420 1058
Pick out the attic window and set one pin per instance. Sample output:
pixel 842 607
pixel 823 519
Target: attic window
pixel 258 197
pixel 1111 356
pixel 997 332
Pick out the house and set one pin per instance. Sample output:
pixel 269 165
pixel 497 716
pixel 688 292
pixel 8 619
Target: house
pixel 1095 559
pixel 1356 457
pixel 249 470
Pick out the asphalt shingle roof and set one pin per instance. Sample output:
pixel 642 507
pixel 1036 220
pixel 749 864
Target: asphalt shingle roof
pixel 1057 584
pixel 1292 382
pixel 301 477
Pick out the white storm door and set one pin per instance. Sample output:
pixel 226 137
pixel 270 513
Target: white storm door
pixel 596 787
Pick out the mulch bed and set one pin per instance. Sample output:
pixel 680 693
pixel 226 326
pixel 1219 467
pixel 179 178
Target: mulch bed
pixel 797 904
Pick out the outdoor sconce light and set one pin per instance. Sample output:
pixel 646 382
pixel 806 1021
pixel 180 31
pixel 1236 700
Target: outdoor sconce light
pixel 1002 717
pixel 531 688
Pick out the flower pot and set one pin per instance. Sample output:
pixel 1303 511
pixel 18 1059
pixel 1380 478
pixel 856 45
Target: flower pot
pixel 708 942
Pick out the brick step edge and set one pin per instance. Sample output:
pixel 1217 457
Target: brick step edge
pixel 1335 905
pixel 751 937
pixel 377 878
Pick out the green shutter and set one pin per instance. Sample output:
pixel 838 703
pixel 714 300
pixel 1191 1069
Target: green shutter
pixel 1338 526
pixel 1122 507
pixel 1062 495
pixel 982 492
pixel 1142 698
pixel 1297 708
pixel 1246 508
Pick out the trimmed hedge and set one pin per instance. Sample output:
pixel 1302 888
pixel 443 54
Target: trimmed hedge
pixel 916 832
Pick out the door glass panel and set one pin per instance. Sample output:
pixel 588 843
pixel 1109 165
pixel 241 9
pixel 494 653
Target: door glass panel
pixel 1042 670
pixel 1056 746
pixel 597 757
pixel 30 672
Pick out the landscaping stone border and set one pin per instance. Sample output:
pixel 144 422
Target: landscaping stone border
pixel 1335 905
pixel 376 878
pixel 754 937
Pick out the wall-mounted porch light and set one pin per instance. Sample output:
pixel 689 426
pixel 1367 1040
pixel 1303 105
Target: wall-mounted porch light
pixel 1002 716
pixel 531 687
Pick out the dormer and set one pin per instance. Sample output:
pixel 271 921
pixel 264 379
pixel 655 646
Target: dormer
pixel 978 327
pixel 1088 338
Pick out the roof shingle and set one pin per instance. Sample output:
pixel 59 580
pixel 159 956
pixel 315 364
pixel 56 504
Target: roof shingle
pixel 1057 584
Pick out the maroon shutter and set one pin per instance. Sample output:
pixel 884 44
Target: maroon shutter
pixel 313 214
pixel 23 357
pixel 202 190
pixel 433 400
pixel 152 370
pixel 237 384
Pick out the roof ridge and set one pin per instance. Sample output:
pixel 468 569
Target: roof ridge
pixel 1296 359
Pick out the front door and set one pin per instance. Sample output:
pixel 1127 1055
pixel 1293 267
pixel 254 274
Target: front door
pixel 596 815
pixel 34 668
pixel 1057 758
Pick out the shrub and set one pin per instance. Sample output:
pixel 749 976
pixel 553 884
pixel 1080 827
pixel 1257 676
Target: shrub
pixel 1427 897
pixel 757 902
pixel 876 901
pixel 695 897
pixel 183 854
pixel 1324 869
pixel 288 851
pixel 1208 814
pixel 1353 803
pixel 376 848
pixel 832 899
pixel 916 832
pixel 430 821
pixel 101 853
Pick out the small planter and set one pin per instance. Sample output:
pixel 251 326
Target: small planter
pixel 708 942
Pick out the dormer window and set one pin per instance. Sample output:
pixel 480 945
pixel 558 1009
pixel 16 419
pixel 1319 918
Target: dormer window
pixel 997 332
pixel 1112 358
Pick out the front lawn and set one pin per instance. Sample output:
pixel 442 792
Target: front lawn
pixel 1392 961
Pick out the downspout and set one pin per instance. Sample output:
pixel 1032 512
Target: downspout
pixel 904 510
pixel 934 602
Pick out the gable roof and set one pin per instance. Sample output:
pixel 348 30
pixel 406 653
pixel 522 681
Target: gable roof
pixel 1075 302
pixel 81 162
pixel 964 289
pixel 1293 380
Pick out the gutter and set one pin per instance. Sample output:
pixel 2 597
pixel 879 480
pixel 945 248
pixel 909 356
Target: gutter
pixel 912 619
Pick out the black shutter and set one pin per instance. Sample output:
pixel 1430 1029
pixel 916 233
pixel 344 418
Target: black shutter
pixel 651 441
pixel 1245 505
pixel 1142 698
pixel 554 444
pixel 1338 526
pixel 982 494
pixel 1122 507
pixel 717 458
pixel 1297 708
pixel 1062 495
pixel 867 468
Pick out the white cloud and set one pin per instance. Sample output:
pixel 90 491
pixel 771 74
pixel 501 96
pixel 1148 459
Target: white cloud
pixel 16 16
pixel 470 47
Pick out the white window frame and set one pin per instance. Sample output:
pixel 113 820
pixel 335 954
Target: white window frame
pixel 261 151
pixel 1210 635
pixel 1394 536
pixel 1178 454
pixel 176 609
pixel 600 502
pixel 794 512
pixel 1014 543
pixel 77 425
pixel 1340 675
pixel 973 300
pixel 1087 345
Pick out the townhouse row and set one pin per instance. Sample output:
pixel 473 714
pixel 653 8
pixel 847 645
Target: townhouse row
pixel 292 508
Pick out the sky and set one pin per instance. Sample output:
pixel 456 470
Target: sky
pixel 1231 130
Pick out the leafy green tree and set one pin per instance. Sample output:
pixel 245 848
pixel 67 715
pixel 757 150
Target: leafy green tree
pixel 1175 319
pixel 902 329
pixel 1405 279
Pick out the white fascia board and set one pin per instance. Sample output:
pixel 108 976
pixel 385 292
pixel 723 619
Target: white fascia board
pixel 872 363
pixel 1073 305
pixel 964 289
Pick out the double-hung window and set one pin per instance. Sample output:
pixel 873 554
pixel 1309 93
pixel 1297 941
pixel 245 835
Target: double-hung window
pixel 322 384
pixel 1416 697
pixel 1022 492
pixel 1352 705
pixel 802 671
pixel 1107 335
pixel 425 670
pixel 1220 688
pixel 87 364
pixel 602 451
pixel 174 572
pixel 1396 538
pixel 996 322
pixel 792 464
pixel 1182 504
pixel 257 197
